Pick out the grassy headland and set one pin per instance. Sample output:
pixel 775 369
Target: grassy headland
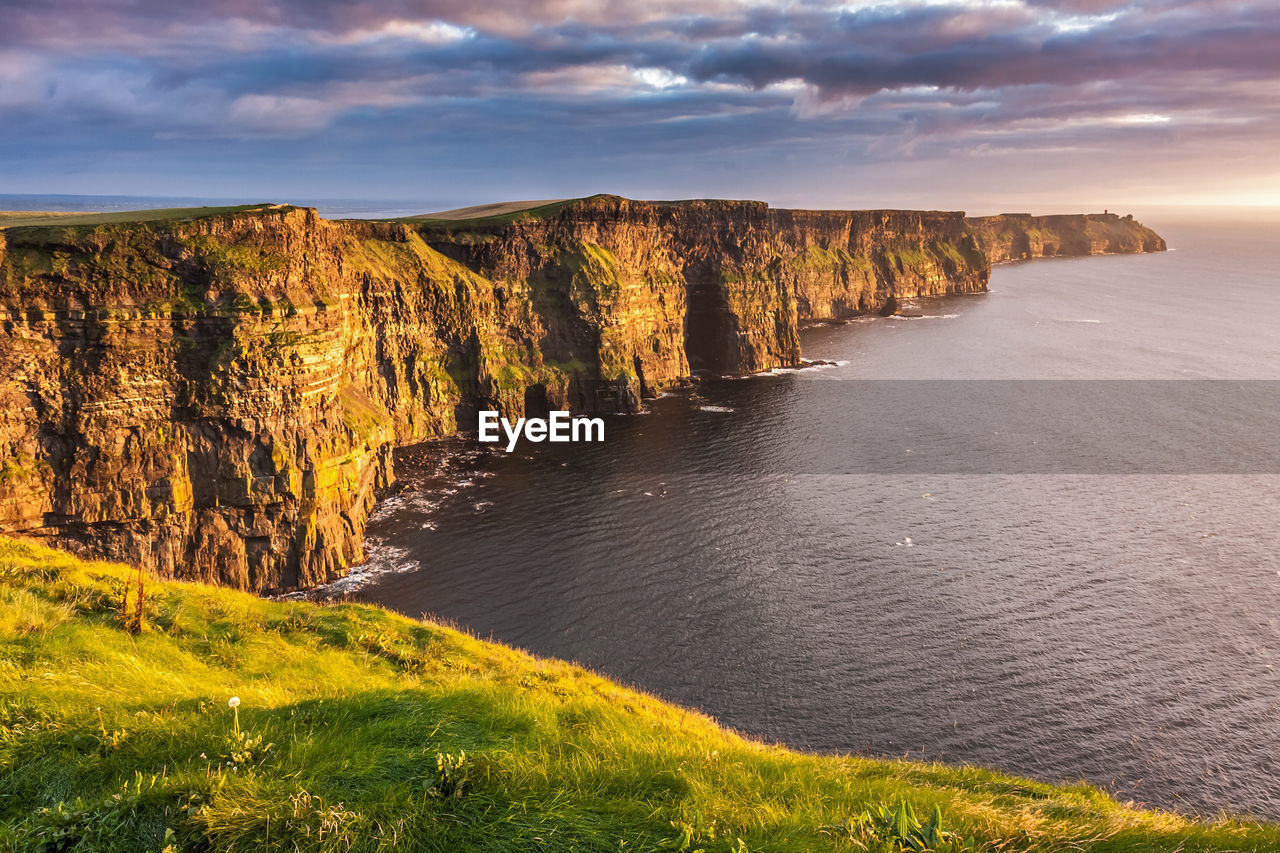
pixel 480 211
pixel 486 215
pixel 361 730
pixel 27 218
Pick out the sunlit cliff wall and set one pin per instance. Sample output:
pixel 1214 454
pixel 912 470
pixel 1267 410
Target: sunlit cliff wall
pixel 218 397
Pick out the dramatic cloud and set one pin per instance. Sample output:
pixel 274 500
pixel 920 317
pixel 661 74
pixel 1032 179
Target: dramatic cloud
pixel 945 101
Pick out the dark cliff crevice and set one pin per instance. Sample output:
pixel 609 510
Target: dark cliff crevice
pixel 706 327
pixel 217 397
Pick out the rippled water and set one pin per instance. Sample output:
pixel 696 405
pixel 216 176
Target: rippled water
pixel 1116 627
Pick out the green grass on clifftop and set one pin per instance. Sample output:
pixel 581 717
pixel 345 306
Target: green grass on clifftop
pixel 361 730
pixel 504 215
pixel 23 218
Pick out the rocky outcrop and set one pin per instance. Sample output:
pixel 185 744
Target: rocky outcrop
pixel 217 397
pixel 1021 236
pixel 732 269
pixel 643 292
pixel 844 263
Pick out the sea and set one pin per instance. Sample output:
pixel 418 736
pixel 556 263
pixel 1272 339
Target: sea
pixel 1035 529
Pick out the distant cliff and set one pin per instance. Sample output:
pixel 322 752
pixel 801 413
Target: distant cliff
pixel 714 285
pixel 1021 236
pixel 216 396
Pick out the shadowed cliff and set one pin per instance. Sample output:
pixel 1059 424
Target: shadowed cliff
pixel 215 394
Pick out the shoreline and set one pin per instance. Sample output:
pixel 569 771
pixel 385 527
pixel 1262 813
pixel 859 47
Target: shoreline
pixel 446 451
pixel 441 483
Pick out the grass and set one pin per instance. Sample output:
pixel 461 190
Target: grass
pixel 482 210
pixel 538 212
pixel 364 417
pixel 22 218
pixel 361 730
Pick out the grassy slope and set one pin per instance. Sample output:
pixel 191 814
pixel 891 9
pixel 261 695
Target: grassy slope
pixel 358 703
pixel 479 216
pixel 479 211
pixel 22 218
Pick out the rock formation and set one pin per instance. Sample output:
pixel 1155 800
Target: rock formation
pixel 1021 236
pixel 217 397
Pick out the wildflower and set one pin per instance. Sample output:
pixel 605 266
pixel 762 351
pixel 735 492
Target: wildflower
pixel 234 704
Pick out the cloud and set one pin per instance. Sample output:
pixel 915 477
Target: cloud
pixel 611 88
pixel 277 114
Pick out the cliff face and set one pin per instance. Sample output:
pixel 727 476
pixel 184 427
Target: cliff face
pixel 645 292
pixel 217 397
pixel 734 267
pixel 844 263
pixel 1021 236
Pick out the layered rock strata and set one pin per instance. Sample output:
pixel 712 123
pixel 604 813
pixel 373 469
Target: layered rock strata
pixel 1021 236
pixel 217 397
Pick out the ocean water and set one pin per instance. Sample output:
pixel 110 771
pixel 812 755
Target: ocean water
pixel 1100 614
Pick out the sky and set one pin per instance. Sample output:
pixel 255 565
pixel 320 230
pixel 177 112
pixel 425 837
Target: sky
pixel 1036 105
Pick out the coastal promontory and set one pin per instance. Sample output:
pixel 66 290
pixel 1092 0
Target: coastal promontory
pixel 215 394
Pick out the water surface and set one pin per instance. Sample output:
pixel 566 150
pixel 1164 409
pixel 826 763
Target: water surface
pixel 1066 621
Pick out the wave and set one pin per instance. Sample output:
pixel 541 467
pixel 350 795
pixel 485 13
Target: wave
pixel 381 559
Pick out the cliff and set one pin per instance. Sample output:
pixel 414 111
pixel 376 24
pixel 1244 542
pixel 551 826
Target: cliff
pixel 217 397
pixel 732 277
pixel 1021 236
pixel 216 394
